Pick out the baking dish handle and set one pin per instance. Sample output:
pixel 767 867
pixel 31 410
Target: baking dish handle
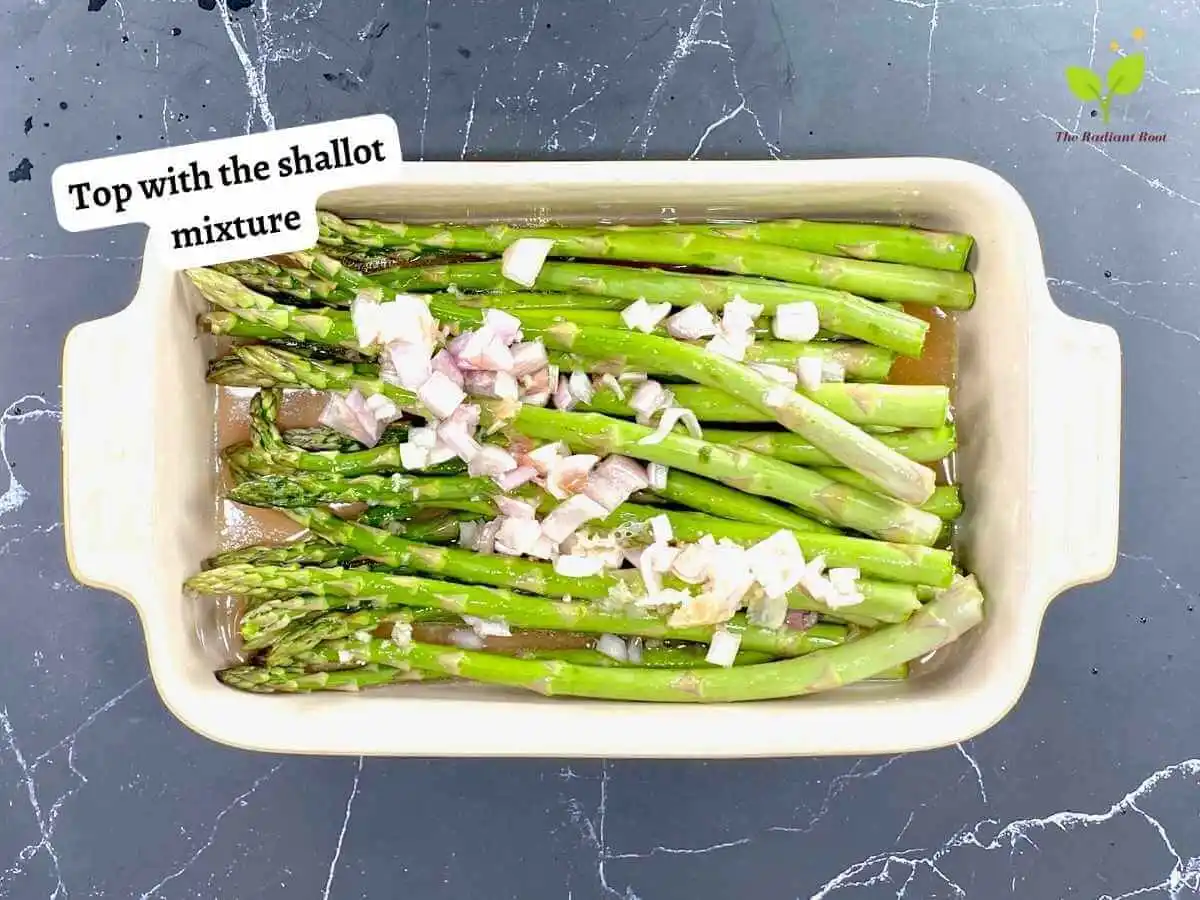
pixel 108 454
pixel 1077 431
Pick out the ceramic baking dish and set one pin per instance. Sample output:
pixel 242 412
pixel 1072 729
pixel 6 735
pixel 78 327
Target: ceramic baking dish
pixel 1038 406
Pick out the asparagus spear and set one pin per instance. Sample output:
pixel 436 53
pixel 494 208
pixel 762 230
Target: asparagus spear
pixel 319 438
pixel 821 497
pixel 906 563
pixel 919 444
pixel 862 362
pixel 882 243
pixel 331 589
pixel 382 458
pixel 312 488
pixel 954 612
pixel 718 500
pixel 811 492
pixel 886 405
pixel 272 278
pixel 838 311
pixel 261 680
pixel 887 281
pixel 945 502
pixel 327 326
pixel 883 601
pixel 854 448
pixel 651 658
pixel 310 552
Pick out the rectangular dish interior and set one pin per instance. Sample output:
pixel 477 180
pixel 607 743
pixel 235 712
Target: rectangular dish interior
pixel 992 411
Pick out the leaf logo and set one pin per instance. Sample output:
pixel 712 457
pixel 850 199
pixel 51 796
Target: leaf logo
pixel 1124 77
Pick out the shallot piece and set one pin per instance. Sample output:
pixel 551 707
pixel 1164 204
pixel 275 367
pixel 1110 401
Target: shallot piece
pixel 484 350
pixel 660 527
pixel 656 473
pixel 443 361
pixel 723 648
pixel 491 460
pixel 505 326
pixel 513 508
pixel 808 371
pixel 496 385
pixel 731 348
pixel 644 316
pixel 670 417
pixel 350 415
pixel 766 612
pixel 440 395
pixel 516 537
pixel 578 566
pixel 486 628
pixel 407 365
pixel 569 475
pixel 480 538
pixel 832 370
pixel 580 387
pixel 692 564
pixel 613 647
pixel 796 321
pixel 523 260
pixel 777 563
pixel 609 380
pixel 738 315
pixel 615 480
pixel 383 409
pixel 562 397
pixel 692 323
pixel 648 399
pixel 458 431
pixel 569 516
pixel 528 357
pixel 544 457
pixel 510 481
pixel 800 619
pixel 413 456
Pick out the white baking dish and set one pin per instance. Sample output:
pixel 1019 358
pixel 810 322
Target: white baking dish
pixel 1038 406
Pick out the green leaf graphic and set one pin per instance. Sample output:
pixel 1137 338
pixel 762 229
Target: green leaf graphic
pixel 1084 84
pixel 1125 75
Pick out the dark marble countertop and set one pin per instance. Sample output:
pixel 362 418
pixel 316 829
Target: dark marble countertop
pixel 1089 788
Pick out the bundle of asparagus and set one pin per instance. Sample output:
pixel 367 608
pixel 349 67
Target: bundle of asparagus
pixel 528 489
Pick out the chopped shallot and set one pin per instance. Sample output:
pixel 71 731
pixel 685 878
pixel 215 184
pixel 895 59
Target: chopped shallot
pixel 808 370
pixel 832 370
pixel 413 456
pixel 613 647
pixel 670 417
pixel 516 537
pixel 567 518
pixel 569 475
pixel 545 456
pixel 767 612
pixel 723 648
pixel 660 527
pixel 800 619
pixel 609 380
pixel 656 473
pixel 512 508
pixel 510 481
pixel 528 358
pixel 440 395
pixel 648 399
pixel 731 348
pixel 644 316
pixel 692 564
pixel 349 414
pixel 777 563
pixel 796 321
pixel 692 323
pixel 491 460
pixel 580 387
pixel 466 640
pixel 578 566
pixel 562 397
pixel 443 361
pixel 615 480
pixel 486 628
pixel 407 365
pixel 523 260
pixel 505 326
pixel 738 315
pixel 484 350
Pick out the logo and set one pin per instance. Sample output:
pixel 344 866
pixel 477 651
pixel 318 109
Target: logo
pixel 1124 77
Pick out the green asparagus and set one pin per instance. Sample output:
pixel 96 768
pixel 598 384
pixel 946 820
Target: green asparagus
pixel 945 619
pixel 919 444
pixel 887 281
